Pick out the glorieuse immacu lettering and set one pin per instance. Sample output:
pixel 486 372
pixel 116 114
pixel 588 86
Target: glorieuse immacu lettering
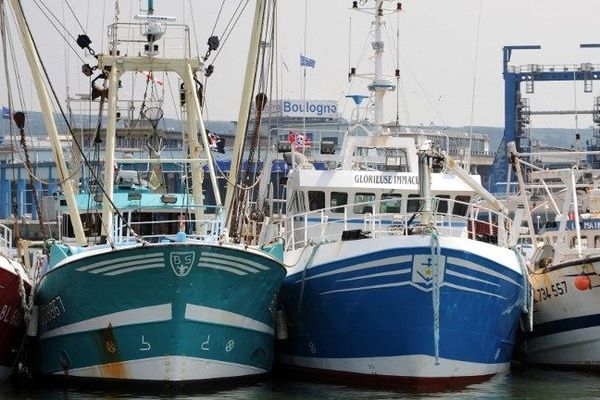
pixel 387 179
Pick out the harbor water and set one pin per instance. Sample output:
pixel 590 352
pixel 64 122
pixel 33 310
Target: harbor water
pixel 520 383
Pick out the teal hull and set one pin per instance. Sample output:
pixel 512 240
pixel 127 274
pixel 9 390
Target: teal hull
pixel 159 312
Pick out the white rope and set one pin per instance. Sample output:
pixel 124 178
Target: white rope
pixel 435 258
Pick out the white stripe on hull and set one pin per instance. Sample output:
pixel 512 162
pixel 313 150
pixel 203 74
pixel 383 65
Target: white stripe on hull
pixel 135 316
pixel 168 368
pixel 119 260
pixel 221 317
pixel 414 366
pixel 581 346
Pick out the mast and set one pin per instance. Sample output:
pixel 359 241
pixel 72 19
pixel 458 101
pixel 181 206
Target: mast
pixel 379 86
pixel 46 105
pixel 242 125
pixel 109 160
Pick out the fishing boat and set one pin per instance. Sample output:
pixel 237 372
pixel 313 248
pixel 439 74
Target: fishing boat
pixel 15 285
pixel 167 296
pixel 392 279
pixel 564 228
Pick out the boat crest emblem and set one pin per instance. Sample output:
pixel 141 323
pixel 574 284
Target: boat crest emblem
pixel 423 271
pixel 182 262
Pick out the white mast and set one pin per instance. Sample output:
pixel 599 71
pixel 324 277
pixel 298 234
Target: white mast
pixel 44 99
pixel 379 86
pixel 242 125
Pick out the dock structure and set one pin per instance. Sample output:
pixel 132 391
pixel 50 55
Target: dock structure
pixel 520 80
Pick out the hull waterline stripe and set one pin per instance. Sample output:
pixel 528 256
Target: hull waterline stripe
pixel 370 264
pixel 132 269
pixel 120 264
pixel 471 278
pixel 121 260
pixel 222 268
pixel 397 272
pixel 219 261
pixel 170 369
pixel 470 265
pixel 237 259
pixel 564 325
pixel 134 316
pixel 467 289
pixel 387 285
pixel 221 317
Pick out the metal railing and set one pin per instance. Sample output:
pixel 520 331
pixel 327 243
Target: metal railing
pixel 474 222
pixel 126 38
pixel 5 240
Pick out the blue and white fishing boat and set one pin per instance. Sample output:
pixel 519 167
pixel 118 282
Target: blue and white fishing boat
pixel 395 278
pixel 164 298
pixel 564 262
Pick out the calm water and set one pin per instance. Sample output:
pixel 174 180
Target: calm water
pixel 522 383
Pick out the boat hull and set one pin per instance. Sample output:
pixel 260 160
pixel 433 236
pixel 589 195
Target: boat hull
pixel 12 276
pixel 566 330
pixel 371 307
pixel 165 312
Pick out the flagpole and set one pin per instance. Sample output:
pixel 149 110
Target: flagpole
pixel 304 81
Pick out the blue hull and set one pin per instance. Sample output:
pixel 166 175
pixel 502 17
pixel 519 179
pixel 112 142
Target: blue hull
pixel 380 308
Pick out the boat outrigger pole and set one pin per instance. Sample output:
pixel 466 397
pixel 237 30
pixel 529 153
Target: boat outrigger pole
pixel 44 99
pixel 242 125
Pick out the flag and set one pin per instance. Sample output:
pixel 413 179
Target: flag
pixel 298 141
pixel 307 62
pixel 5 112
pixel 154 182
pixel 216 143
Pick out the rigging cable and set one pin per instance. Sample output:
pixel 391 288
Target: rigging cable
pixel 78 145
pixel 4 32
pixel 64 28
pixel 474 86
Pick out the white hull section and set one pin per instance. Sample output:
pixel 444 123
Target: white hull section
pixel 413 366
pixel 168 369
pixel 566 320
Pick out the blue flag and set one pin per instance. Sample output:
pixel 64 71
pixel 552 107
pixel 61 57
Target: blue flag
pixel 307 62
pixel 5 112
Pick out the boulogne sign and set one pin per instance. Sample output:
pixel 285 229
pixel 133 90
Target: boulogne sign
pixel 303 108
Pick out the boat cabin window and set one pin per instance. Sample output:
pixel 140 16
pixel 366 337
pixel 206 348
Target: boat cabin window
pixel 391 203
pixel 363 198
pixel 338 199
pixel 442 204
pixel 316 200
pixel 413 205
pixel 462 205
pixel 596 242
pixel 396 160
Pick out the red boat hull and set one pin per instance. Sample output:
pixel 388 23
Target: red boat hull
pixel 11 313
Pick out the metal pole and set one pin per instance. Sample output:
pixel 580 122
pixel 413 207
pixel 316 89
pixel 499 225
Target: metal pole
pixel 46 105
pixel 109 160
pixel 242 125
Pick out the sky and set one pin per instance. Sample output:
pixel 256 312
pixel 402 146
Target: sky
pixel 450 53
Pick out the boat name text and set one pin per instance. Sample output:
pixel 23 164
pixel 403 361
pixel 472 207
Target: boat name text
pixel 387 179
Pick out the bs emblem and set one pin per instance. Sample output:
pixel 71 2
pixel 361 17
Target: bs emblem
pixel 182 262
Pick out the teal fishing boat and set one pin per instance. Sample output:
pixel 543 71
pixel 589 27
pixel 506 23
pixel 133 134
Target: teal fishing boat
pixel 150 287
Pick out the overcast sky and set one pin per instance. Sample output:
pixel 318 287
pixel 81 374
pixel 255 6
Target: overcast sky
pixel 437 47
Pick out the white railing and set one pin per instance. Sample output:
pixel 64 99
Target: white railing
pixel 476 222
pixel 132 231
pixel 128 39
pixel 5 239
